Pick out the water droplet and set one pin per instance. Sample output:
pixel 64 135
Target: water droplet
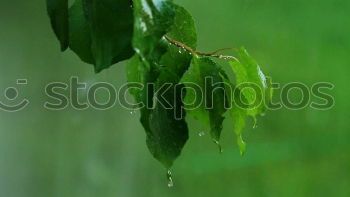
pixel 170 179
pixel 132 112
pixel 241 144
pixel 221 150
pixel 255 123
pixel 147 9
pixel 180 51
pixel 143 26
pixel 201 134
pixel 262 77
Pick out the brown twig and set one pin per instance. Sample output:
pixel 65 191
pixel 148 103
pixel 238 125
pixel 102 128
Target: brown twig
pixel 191 51
pixel 223 49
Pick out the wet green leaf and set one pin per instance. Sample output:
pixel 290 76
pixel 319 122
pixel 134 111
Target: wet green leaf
pixel 249 99
pixel 178 60
pixel 111 30
pixel 251 81
pixel 79 33
pixel 209 104
pixel 139 72
pixel 164 120
pixel 184 28
pixel 101 33
pixel 168 129
pixel 104 32
pixel 184 31
pixel 153 19
pixel 58 12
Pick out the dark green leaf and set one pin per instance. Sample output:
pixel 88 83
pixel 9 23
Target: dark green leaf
pixel 153 19
pixel 184 28
pixel 210 107
pixel 58 12
pixel 168 129
pixel 165 126
pixel 184 31
pixel 111 30
pixel 101 33
pixel 139 72
pixel 164 120
pixel 79 33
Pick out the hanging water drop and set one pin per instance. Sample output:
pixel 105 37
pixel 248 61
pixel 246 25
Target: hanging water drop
pixel 170 179
pixel 201 134
pixel 221 150
pixel 255 124
pixel 255 120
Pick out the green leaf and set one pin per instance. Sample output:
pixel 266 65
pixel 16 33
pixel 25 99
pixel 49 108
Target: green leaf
pixel 105 32
pixel 79 33
pixel 111 30
pixel 251 81
pixel 58 12
pixel 184 28
pixel 248 72
pixel 165 126
pixel 210 105
pixel 238 114
pixel 164 120
pixel 101 33
pixel 184 31
pixel 168 129
pixel 138 72
pixel 268 91
pixel 153 19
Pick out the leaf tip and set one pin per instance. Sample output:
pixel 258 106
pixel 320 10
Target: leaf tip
pixel 242 145
pixel 64 47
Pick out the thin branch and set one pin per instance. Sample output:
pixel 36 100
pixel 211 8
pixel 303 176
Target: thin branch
pixel 223 49
pixel 191 51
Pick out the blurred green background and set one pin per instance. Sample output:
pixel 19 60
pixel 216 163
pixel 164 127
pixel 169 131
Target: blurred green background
pixel 72 153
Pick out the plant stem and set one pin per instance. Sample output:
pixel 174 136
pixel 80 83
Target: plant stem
pixel 191 51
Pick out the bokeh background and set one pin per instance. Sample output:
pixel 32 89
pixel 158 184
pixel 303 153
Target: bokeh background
pixel 88 153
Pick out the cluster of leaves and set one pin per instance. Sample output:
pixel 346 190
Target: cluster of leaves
pixel 105 32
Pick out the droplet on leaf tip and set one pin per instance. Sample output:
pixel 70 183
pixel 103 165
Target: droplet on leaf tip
pixel 241 144
pixel 170 179
pixel 255 123
pixel 201 134
pixel 221 150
